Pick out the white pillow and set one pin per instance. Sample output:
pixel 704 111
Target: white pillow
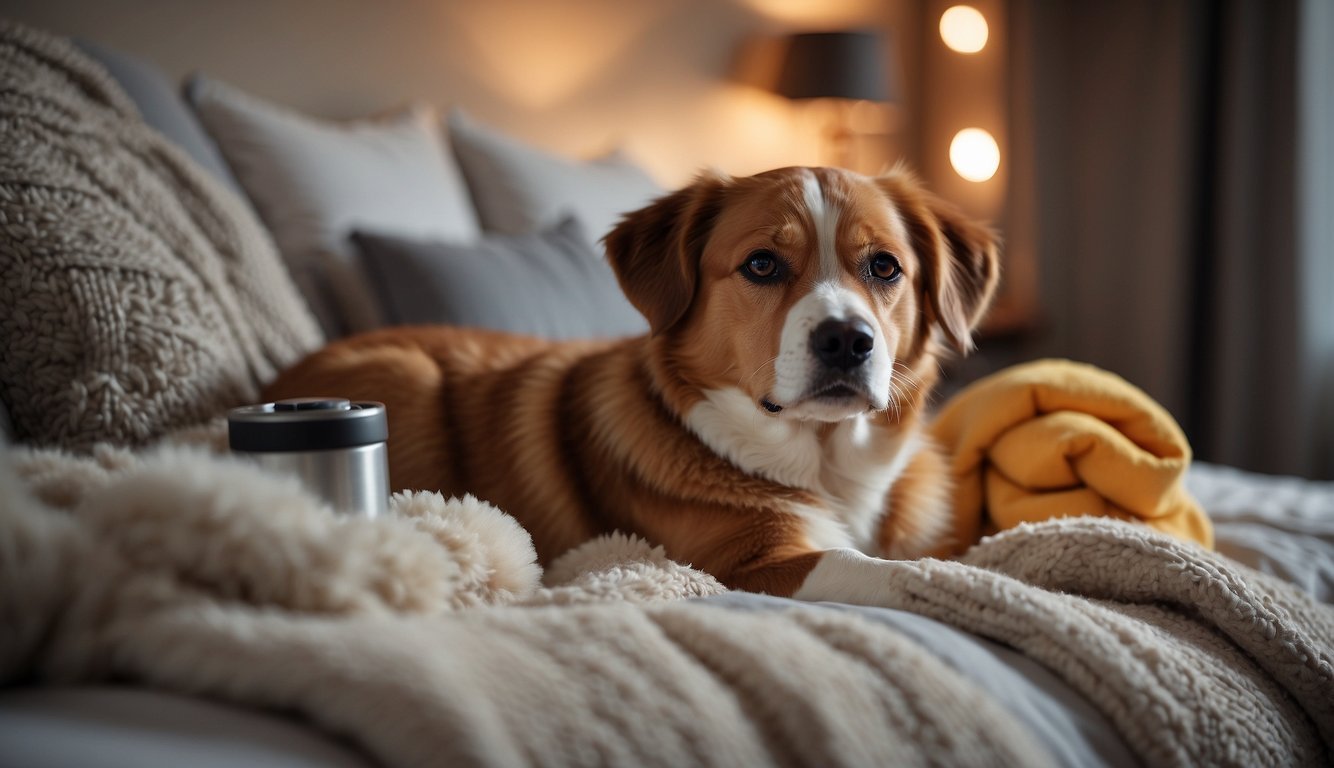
pixel 313 182
pixel 519 189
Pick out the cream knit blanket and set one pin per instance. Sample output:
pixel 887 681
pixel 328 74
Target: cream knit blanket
pixel 427 639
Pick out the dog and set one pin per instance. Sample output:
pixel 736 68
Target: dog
pixel 773 413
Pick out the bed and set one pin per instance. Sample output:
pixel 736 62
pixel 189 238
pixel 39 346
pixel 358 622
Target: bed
pixel 163 612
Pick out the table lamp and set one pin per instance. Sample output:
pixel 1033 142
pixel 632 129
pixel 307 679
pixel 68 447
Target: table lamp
pixel 845 67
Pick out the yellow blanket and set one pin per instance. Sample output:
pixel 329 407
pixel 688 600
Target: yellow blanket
pixel 1054 438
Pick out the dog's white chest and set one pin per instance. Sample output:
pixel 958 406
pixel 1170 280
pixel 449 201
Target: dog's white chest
pixel 851 469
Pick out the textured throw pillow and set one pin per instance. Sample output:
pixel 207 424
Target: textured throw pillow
pixel 162 107
pixel 137 296
pixel 314 181
pixel 543 284
pixel 518 188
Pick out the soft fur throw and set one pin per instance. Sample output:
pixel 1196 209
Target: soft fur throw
pixel 139 294
pixel 1056 438
pixel 426 638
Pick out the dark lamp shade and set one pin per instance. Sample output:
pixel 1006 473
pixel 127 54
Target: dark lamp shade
pixel 836 65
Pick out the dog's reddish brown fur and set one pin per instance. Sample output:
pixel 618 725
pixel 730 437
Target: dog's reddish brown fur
pixel 579 439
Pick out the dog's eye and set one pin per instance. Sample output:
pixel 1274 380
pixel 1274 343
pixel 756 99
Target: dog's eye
pixel 885 267
pixel 761 267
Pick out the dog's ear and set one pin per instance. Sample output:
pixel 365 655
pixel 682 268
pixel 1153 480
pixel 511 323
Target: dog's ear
pixel 655 250
pixel 960 257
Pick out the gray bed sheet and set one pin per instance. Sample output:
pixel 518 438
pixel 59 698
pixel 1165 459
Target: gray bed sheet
pixel 110 727
pixel 1282 526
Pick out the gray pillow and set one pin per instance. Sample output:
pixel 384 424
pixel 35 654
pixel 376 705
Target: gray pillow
pixel 313 181
pixel 162 107
pixel 547 283
pixel 519 188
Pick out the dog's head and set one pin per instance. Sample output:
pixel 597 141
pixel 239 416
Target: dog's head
pixel 816 292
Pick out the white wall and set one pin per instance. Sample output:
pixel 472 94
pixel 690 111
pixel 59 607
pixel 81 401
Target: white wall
pixel 575 76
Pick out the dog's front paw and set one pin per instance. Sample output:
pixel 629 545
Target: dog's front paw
pixel 849 576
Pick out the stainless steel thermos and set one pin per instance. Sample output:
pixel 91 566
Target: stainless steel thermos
pixel 336 447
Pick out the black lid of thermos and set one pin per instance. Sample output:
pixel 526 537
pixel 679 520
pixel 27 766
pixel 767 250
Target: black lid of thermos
pixel 306 424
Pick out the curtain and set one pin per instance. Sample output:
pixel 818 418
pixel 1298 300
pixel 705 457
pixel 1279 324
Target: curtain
pixel 1178 153
pixel 1315 176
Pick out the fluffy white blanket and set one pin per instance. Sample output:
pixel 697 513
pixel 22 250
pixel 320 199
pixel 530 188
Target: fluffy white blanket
pixel 428 638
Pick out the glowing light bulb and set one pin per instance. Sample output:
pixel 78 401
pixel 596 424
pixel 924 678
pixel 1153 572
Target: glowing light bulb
pixel 964 29
pixel 974 154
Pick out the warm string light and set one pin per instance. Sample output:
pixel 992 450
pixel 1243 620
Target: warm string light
pixel 964 29
pixel 973 152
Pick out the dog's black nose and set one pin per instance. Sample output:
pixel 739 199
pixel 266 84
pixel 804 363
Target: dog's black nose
pixel 843 344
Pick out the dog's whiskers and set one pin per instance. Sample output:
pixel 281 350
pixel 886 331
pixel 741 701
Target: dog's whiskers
pixel 904 374
pixel 904 386
pixel 895 399
pixel 758 368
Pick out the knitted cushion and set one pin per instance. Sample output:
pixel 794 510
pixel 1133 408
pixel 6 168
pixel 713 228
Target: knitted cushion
pixel 138 294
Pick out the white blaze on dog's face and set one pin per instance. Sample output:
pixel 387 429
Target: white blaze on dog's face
pixel 813 291
pixel 843 262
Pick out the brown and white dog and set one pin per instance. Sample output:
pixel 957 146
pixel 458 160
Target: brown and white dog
pixel 774 412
